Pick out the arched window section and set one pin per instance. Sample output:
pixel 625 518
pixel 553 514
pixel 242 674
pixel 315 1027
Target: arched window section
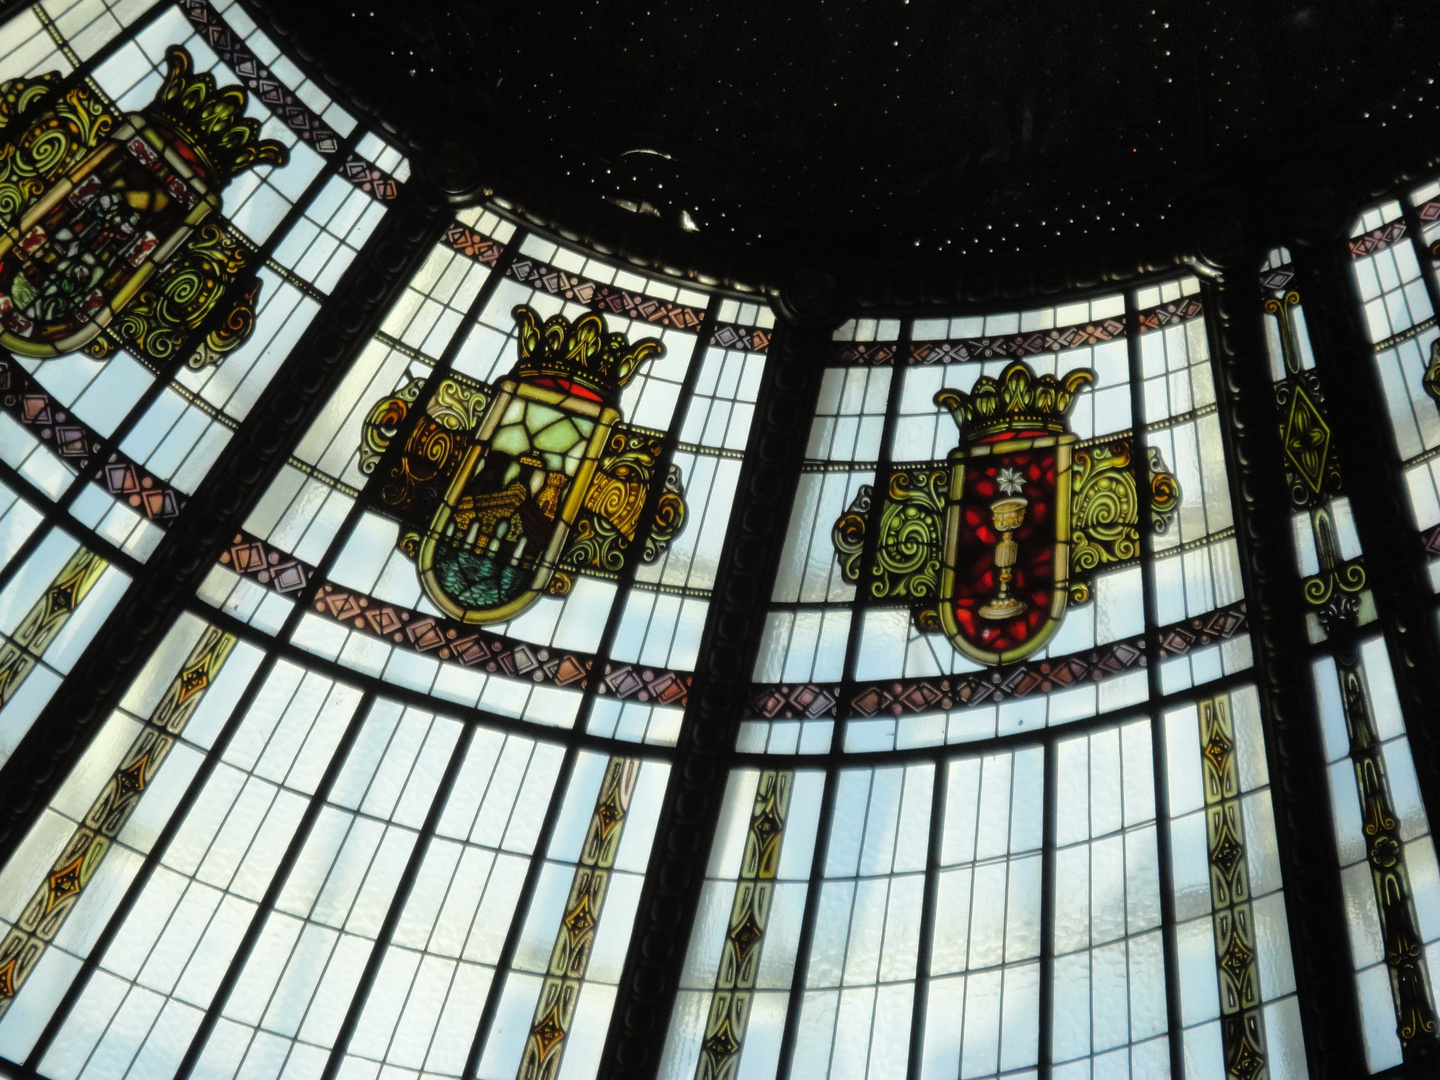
pixel 299 767
pixel 105 443
pixel 403 780
pixel 1381 830
pixel 1061 915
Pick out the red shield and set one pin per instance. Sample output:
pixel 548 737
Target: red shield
pixel 1005 577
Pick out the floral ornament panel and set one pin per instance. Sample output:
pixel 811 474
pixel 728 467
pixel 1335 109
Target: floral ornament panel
pixel 505 491
pixel 112 221
pixel 993 544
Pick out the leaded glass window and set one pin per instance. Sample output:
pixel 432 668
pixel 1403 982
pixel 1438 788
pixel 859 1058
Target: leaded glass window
pixel 463 617
pixel 1061 916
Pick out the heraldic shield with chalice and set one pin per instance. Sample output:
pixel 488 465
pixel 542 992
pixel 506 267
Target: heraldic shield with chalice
pixel 505 491
pixel 991 546
pixel 108 217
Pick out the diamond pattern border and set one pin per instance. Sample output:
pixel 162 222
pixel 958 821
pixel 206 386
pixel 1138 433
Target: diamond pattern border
pixel 474 245
pixel 604 298
pixel 448 639
pixel 77 444
pixel 259 79
pixel 287 108
pixel 898 697
pixel 1277 278
pixel 746 338
pixel 1011 346
pixel 1430 538
pixel 1377 239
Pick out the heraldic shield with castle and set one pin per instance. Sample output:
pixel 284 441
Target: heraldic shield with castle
pixel 111 221
pixel 504 492
pixel 992 545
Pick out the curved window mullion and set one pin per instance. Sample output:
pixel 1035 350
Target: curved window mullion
pixel 655 968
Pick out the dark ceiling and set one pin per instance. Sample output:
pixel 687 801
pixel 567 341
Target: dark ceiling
pixel 894 129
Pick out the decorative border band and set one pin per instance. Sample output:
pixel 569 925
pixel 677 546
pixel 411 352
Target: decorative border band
pixel 898 697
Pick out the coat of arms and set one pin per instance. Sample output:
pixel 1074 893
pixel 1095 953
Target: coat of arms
pixel 112 220
pixel 505 491
pixel 991 545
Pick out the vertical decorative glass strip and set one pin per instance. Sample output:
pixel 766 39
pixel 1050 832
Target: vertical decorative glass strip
pixel 1381 831
pixel 75 867
pixel 1235 936
pixel 745 937
pixel 46 618
pixel 1327 549
pixel 556 999
pixel 560 992
pixel 1236 977
pixel 165 963
pixel 1379 817
pixel 172 948
pixel 98 797
pixel 45 623
pixel 734 990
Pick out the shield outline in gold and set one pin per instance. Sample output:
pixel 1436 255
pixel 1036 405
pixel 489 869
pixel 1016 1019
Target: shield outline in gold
pixel 507 390
pixel 207 202
pixel 949 555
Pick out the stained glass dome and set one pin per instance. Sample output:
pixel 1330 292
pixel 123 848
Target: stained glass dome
pixel 440 641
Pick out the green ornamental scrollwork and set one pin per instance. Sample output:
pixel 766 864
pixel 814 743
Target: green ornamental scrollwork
pixel 670 513
pixel 184 294
pixel 1348 577
pixel 1104 513
pixel 1165 493
pixel 56 144
pixel 433 446
pixel 1105 508
pixel 848 534
pixel 907 552
pixel 615 504
pixel 61 129
pixel 17 95
pixel 383 424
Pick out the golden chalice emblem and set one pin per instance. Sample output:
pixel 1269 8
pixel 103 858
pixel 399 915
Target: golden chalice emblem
pixel 1007 515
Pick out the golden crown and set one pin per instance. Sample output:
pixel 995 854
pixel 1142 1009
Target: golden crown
pixel 1018 401
pixel 581 353
pixel 211 121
